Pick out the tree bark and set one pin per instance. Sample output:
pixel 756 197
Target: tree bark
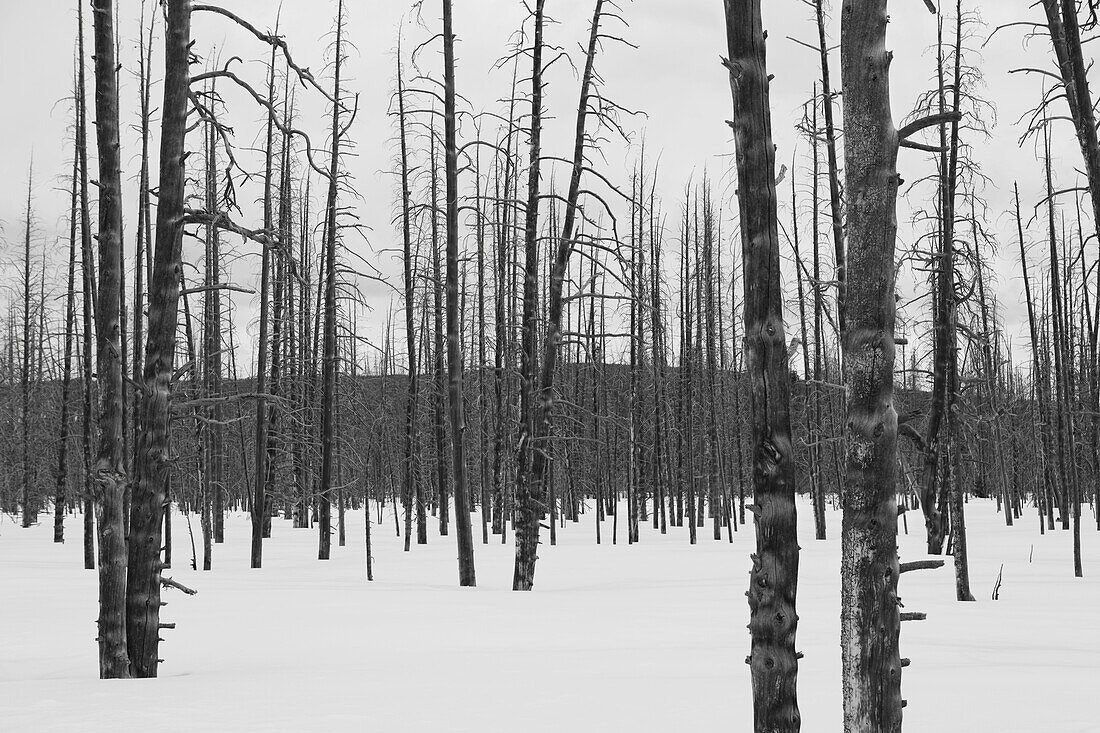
pixel 87 263
pixel 152 458
pixel 773 580
pixel 870 623
pixel 529 496
pixel 466 576
pixel 329 363
pixel 110 473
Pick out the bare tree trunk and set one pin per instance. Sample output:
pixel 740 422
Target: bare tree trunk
pixel 410 472
pixel 329 364
pixel 110 473
pixel 835 208
pixel 949 300
pixel 870 622
pixel 482 333
pixel 773 580
pixel 263 412
pixel 466 576
pixel 87 261
pixel 30 511
pixel 819 336
pixel 529 497
pixel 214 432
pixel 61 492
pixel 813 474
pixel 151 466
pixel 687 384
pixel 1038 375
pixel 533 462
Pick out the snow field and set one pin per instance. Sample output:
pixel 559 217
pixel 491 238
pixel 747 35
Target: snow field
pixel 638 638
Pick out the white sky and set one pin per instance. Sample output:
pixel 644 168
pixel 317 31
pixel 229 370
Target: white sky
pixel 674 76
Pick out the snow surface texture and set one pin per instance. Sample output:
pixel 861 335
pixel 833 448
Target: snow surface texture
pixel 614 638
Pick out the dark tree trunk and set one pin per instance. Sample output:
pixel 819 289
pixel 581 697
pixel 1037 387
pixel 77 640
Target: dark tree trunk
pixel 410 472
pixel 454 331
pixel 835 208
pixel 773 580
pixel 534 443
pixel 263 411
pixel 152 458
pixel 110 473
pixel 328 360
pixel 61 492
pixel 87 262
pixel 29 504
pixel 529 497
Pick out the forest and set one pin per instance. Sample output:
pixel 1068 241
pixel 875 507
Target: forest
pixel 302 368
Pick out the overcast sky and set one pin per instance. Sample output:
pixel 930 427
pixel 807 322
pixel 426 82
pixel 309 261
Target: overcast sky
pixel 674 76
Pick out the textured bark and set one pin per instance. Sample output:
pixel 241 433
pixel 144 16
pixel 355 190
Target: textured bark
pixel 152 457
pixel 87 267
pixel 773 580
pixel 870 623
pixel 329 365
pixel 263 411
pixel 110 475
pixel 455 401
pixel 529 497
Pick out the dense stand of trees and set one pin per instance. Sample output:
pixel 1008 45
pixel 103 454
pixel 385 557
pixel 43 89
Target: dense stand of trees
pixel 589 354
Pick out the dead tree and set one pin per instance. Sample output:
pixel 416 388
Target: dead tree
pixel 773 580
pixel 115 585
pixel 529 497
pixel 30 510
pixel 870 622
pixel 88 278
pixel 151 464
pixel 409 470
pixel 1065 35
pixel 454 340
pixel 329 361
pixel 537 404
pixel 263 348
pixel 61 492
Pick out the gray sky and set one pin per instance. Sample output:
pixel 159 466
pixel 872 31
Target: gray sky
pixel 674 76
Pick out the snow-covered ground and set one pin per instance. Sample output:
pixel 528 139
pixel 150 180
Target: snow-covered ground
pixel 614 638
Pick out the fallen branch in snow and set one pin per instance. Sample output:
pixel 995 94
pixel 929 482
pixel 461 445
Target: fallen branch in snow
pixel 906 567
pixel 169 583
pixel 997 585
